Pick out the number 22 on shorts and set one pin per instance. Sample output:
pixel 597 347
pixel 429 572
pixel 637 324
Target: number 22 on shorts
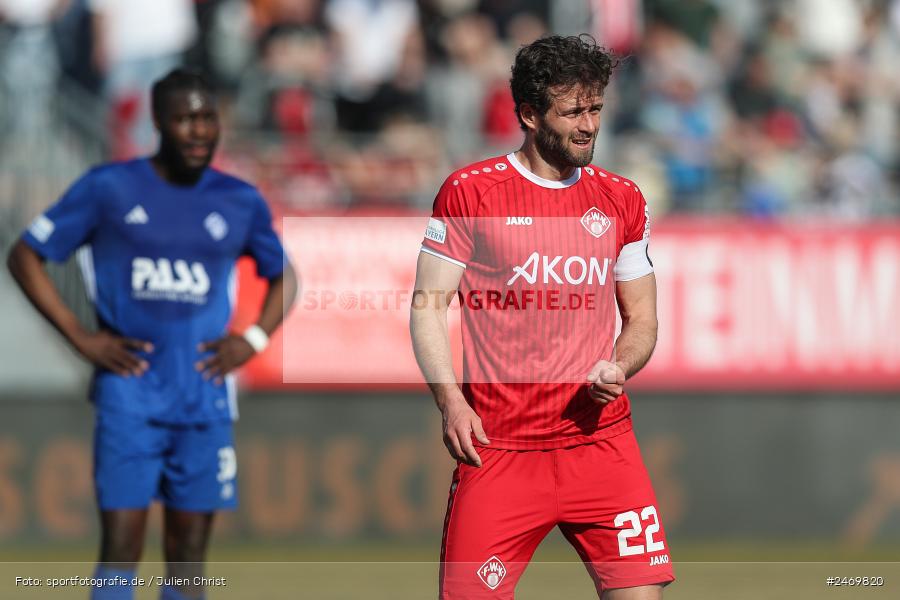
pixel 636 526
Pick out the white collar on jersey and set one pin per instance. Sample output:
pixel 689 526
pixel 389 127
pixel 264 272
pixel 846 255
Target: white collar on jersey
pixel 547 183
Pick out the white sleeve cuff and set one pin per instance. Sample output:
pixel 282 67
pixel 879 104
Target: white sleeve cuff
pixel 633 261
pixel 427 250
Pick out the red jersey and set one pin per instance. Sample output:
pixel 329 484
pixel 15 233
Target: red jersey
pixel 541 260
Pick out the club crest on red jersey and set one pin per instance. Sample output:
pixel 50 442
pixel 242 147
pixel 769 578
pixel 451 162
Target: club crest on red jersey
pixel 492 572
pixel 595 222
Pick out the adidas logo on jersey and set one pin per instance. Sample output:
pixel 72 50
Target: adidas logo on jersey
pixel 492 572
pixel 137 216
pixel 575 270
pixel 162 279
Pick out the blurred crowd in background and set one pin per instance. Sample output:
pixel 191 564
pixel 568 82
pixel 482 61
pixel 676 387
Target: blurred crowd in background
pixel 766 108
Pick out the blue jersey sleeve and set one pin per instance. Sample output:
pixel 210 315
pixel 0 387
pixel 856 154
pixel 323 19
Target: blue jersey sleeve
pixel 69 223
pixel 263 243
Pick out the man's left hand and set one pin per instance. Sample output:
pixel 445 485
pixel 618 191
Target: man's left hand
pixel 229 353
pixel 606 382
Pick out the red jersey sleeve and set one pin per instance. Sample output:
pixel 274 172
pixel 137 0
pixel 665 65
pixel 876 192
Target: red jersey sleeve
pixel 638 218
pixel 450 230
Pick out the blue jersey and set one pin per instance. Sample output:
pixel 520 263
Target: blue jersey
pixel 159 263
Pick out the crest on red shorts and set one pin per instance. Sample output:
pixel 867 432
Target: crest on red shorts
pixel 492 572
pixel 595 222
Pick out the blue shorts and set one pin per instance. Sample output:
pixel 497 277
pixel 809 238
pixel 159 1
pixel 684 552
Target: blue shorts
pixel 187 467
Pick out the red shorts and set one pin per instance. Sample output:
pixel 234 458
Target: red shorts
pixel 598 494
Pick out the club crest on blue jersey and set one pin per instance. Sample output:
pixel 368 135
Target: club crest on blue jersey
pixel 216 226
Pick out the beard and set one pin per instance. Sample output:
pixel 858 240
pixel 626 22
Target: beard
pixel 554 150
pixel 180 167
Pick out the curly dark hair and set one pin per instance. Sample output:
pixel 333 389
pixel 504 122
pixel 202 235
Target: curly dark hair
pixel 557 61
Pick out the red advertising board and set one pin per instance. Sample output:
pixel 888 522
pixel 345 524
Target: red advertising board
pixel 743 305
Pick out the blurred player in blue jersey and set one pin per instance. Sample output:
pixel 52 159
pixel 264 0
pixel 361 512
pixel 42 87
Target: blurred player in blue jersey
pixel 158 240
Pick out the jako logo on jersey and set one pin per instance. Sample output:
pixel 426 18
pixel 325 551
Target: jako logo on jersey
pixel 575 270
pixel 164 280
pixel 137 216
pixel 216 226
pixel 595 222
pixel 519 220
pixel 492 572
pixel 659 560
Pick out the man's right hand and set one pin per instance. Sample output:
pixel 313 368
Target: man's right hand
pixel 114 353
pixel 460 422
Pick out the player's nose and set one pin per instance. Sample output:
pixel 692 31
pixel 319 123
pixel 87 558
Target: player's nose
pixel 588 124
pixel 201 130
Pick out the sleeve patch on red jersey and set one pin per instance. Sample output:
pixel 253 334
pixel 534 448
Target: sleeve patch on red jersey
pixel 436 230
pixel 646 222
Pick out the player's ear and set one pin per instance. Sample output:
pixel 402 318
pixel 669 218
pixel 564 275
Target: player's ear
pixel 528 115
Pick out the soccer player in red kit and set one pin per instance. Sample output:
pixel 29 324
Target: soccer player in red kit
pixel 541 248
